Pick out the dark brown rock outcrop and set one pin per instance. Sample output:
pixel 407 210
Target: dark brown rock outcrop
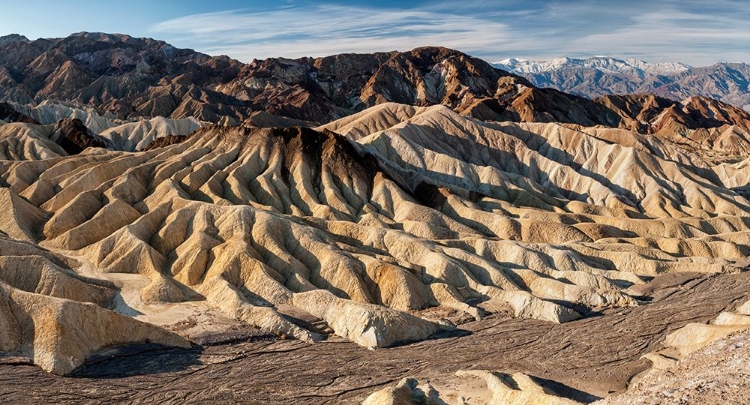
pixel 74 137
pixel 8 114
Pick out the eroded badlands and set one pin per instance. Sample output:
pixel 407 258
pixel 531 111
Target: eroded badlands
pixel 391 226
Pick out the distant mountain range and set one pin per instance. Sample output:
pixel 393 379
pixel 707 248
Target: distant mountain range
pixel 126 78
pixel 599 76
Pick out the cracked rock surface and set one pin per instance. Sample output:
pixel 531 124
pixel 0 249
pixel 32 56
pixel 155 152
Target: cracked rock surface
pixel 596 356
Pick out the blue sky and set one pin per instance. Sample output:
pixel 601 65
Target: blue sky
pixel 691 31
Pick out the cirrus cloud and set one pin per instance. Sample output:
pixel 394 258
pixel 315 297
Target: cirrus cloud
pixel 330 29
pixel 655 31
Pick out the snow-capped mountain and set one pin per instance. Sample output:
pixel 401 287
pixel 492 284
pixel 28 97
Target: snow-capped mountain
pixel 599 76
pixel 635 67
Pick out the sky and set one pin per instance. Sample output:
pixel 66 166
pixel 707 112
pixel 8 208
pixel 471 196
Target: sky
pixel 695 32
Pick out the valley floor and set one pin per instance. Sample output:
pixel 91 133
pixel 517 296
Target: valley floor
pixel 592 357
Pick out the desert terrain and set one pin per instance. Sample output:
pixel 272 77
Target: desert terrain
pixel 436 231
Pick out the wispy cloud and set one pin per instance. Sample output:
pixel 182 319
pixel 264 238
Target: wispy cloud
pixel 330 29
pixel 534 29
pixel 691 36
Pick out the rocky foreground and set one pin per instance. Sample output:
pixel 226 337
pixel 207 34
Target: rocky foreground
pixel 581 361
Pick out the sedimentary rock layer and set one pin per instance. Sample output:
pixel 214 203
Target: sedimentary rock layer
pixel 382 228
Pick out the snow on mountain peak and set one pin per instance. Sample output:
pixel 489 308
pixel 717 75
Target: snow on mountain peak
pixel 603 63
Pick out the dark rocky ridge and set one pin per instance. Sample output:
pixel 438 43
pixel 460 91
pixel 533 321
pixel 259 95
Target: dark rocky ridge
pixel 141 77
pixel 118 73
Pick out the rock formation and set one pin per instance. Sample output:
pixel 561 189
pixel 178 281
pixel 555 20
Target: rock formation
pixel 497 389
pixel 386 226
pixel 56 317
